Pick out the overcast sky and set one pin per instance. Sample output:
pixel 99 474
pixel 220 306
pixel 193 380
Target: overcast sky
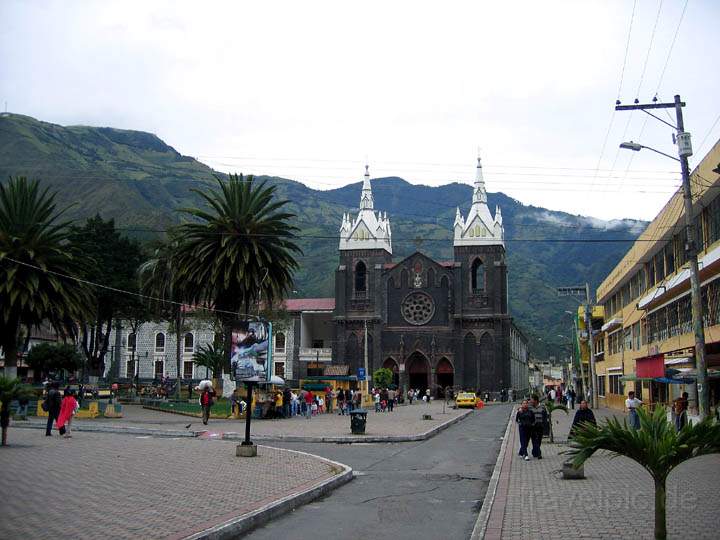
pixel 307 90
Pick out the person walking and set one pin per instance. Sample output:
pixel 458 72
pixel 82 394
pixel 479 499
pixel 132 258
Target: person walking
pixel 206 402
pixel 309 398
pixel 536 433
pixel 410 396
pixel 391 399
pixel 341 402
pixel 573 397
pixel 287 402
pixel 525 420
pixel 631 404
pixel 52 405
pixel 68 408
pixel 583 414
pixel 680 407
pixel 329 395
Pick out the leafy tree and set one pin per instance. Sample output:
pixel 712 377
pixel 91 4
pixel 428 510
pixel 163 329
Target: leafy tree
pixel 48 358
pixel 382 378
pixel 551 407
pixel 34 258
pixel 115 260
pixel 656 446
pixel 239 250
pixel 10 389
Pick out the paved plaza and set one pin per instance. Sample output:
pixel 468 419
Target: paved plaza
pixel 614 501
pixel 120 486
pixel 404 421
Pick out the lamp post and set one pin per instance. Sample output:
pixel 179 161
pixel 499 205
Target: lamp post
pixel 684 151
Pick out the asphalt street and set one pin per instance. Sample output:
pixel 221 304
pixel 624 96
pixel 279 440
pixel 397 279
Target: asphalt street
pixel 416 490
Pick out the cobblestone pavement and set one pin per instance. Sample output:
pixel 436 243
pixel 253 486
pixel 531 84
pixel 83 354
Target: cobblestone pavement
pixel 117 486
pixel 405 420
pixel 614 501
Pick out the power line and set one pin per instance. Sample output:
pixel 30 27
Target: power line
pixel 672 45
pixel 647 56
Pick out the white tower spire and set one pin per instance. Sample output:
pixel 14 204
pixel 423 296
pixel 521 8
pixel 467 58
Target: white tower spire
pixel 366 198
pixel 368 230
pixel 480 228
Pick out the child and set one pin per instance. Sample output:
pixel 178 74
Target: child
pixel 68 408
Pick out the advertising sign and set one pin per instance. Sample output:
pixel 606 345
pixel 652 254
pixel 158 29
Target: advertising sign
pixel 250 355
pixel 361 374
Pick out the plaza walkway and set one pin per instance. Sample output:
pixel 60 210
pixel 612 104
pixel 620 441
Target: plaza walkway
pixel 614 501
pixel 404 421
pixel 119 486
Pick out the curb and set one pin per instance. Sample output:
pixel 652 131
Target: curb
pixel 235 436
pixel 478 531
pixel 244 523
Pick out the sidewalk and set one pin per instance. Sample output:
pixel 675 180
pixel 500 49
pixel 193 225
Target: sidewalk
pixel 405 423
pixel 614 501
pixel 114 486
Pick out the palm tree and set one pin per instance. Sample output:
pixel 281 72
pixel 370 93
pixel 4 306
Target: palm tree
pixel 35 255
pixel 656 446
pixel 10 389
pixel 239 250
pixel 211 357
pixel 551 407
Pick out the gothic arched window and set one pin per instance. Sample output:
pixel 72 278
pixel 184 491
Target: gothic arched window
pixel 160 342
pixel 189 342
pixel 477 273
pixel 360 277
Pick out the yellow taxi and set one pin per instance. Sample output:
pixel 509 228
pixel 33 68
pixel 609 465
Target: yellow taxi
pixel 466 399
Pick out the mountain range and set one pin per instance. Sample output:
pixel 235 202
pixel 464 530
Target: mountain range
pixel 141 182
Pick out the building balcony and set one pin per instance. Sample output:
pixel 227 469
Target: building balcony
pixel 312 354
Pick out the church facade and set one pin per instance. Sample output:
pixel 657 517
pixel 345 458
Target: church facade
pixel 434 324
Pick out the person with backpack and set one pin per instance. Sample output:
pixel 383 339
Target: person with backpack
pixel 51 405
pixel 206 402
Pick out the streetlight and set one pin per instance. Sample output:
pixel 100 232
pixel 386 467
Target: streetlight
pixel 684 151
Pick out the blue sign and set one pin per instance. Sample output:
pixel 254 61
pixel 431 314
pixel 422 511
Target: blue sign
pixel 361 374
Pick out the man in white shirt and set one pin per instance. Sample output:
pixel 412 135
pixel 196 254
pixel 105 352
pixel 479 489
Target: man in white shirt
pixel 632 404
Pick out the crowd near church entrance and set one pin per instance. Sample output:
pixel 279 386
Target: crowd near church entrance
pixel 418 370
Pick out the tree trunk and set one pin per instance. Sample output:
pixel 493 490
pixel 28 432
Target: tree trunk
pixel 178 349
pixel 660 523
pixel 9 346
pixel 4 436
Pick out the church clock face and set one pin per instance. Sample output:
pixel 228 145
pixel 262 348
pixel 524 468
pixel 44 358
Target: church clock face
pixel 417 308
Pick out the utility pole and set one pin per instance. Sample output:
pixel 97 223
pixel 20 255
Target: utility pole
pixel 685 150
pixel 366 385
pixel 591 347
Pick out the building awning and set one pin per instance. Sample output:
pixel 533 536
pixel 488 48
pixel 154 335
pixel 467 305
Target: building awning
pixel 612 323
pixel 650 366
pixel 677 361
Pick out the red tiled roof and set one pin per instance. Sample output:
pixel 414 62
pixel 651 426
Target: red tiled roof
pixel 310 304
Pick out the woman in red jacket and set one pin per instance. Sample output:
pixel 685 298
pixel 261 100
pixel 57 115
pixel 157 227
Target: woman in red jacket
pixel 68 407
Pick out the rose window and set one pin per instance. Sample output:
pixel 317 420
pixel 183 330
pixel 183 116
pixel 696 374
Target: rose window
pixel 417 308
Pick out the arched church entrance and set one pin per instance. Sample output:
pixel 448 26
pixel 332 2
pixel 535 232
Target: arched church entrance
pixel 444 375
pixel 391 364
pixel 418 370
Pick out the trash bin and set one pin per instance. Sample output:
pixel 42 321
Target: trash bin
pixel 358 420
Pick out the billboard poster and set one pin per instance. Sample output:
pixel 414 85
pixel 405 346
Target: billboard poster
pixel 250 357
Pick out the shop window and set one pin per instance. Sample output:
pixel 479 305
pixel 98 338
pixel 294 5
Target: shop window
pixel 279 368
pixel 601 385
pixel 616 385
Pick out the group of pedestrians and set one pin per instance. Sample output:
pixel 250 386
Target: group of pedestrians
pixel 60 409
pixel 385 399
pixel 532 420
pixel 566 395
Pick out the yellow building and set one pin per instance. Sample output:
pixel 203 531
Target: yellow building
pixel 647 338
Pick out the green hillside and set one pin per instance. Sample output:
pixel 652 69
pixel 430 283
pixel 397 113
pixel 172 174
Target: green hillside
pixel 137 179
